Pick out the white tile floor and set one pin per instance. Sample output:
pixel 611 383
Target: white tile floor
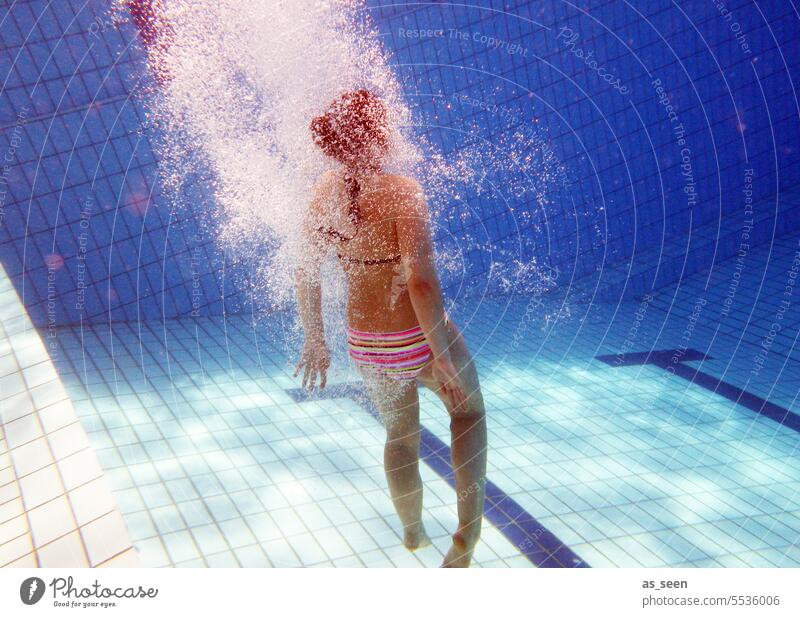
pixel 56 509
pixel 225 469
pixel 212 463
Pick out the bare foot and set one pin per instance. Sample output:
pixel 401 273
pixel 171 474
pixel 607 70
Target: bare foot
pixel 415 537
pixel 460 554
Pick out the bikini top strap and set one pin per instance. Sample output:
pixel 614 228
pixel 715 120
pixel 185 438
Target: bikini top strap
pixel 353 211
pixel 353 190
pixel 370 262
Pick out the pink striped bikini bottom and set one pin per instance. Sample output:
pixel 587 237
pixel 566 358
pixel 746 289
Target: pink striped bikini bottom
pixel 399 355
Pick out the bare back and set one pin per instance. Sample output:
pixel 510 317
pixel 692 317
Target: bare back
pixel 370 252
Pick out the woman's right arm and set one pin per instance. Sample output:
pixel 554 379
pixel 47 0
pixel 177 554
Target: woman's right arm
pixel 314 358
pixel 416 248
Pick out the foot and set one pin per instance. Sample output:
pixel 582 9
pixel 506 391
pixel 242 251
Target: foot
pixel 415 537
pixel 460 554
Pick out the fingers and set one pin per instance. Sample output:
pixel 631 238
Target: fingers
pixel 457 399
pixel 310 373
pixel 454 391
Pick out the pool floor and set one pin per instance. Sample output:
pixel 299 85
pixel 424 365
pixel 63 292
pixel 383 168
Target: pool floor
pixel 213 461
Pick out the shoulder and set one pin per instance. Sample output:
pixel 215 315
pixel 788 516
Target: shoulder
pixel 403 198
pixel 400 185
pixel 402 192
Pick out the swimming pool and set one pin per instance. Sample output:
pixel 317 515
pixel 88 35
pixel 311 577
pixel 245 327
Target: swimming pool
pixel 213 461
pixel 642 402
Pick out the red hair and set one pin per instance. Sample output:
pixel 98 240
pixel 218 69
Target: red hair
pixel 354 124
pixel 155 33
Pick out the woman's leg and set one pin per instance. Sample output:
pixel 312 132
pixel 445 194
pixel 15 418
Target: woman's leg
pixel 468 452
pixel 398 403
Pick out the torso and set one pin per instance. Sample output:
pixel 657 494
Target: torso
pixel 378 300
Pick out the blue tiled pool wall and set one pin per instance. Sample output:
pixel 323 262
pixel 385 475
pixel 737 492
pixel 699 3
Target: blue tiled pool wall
pixel 76 78
pixel 83 181
pixel 619 149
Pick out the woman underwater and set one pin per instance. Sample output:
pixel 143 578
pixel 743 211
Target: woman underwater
pixel 398 332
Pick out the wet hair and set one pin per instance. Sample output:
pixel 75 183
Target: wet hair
pixel 354 125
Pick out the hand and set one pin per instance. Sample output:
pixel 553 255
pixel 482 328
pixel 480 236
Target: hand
pixel 450 385
pixel 315 360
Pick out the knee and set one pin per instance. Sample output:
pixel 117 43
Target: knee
pixel 402 443
pixel 400 456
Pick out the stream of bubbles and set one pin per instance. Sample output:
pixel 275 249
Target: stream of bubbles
pixel 239 84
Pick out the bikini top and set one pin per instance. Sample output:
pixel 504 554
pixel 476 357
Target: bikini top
pixel 354 216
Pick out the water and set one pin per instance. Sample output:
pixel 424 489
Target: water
pixel 240 86
pixel 630 298
pixel 214 463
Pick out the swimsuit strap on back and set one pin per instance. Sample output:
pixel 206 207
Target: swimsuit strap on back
pixel 370 262
pixel 353 210
pixel 330 231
